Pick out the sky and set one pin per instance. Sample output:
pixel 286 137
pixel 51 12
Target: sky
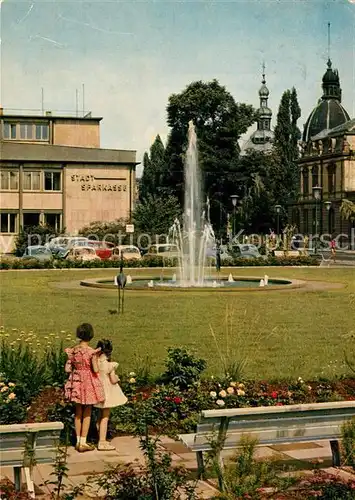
pixel 132 55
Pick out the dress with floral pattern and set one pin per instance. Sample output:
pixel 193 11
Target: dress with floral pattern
pixel 83 386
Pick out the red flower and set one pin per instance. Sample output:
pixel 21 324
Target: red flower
pixel 279 404
pixel 177 400
pixel 274 395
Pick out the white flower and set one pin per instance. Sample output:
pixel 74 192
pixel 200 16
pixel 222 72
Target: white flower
pixel 132 374
pixel 222 393
pixel 11 396
pixel 11 384
pixel 241 386
pixel 240 392
pixel 132 380
pixel 233 384
pixel 309 388
pixel 45 337
pixel 4 389
pixel 230 390
pixel 213 394
pixel 220 402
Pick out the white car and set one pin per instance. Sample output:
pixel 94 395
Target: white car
pixel 129 252
pixel 82 254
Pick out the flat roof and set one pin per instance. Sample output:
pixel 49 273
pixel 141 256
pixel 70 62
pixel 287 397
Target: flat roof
pixel 15 151
pixel 50 117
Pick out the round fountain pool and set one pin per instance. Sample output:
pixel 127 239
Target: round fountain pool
pixel 217 285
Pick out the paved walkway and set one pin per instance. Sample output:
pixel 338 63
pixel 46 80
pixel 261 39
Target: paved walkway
pixel 302 456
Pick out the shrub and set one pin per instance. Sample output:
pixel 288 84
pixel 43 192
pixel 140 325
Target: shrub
pixel 158 479
pixel 12 409
pixel 348 442
pixel 183 369
pixel 23 367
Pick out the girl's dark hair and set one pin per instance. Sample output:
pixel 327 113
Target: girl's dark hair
pixel 106 347
pixel 85 332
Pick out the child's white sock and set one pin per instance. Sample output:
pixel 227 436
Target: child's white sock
pixel 83 440
pixel 78 440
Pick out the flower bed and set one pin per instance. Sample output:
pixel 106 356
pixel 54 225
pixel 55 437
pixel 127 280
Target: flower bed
pixel 21 263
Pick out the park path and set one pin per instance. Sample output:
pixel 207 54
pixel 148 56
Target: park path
pixel 304 457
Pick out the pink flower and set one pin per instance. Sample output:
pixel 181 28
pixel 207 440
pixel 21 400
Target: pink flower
pixel 274 394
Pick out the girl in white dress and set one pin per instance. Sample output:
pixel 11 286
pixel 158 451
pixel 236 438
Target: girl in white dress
pixel 113 392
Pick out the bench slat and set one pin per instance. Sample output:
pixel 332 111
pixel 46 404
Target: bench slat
pixel 291 420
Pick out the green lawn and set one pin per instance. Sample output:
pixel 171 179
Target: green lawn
pixel 282 334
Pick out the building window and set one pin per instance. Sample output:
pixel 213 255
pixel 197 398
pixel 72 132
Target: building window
pixel 42 132
pixel 31 181
pixel 8 223
pixel 9 130
pixel 9 180
pixel 53 221
pixel 331 220
pixel 296 218
pixel 52 181
pixel 305 176
pixel 26 131
pixel 331 179
pixel 315 176
pixel 30 219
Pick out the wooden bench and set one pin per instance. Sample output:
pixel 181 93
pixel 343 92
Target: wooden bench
pixel 270 425
pixel 24 445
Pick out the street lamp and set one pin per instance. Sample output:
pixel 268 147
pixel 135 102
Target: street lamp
pixel 278 211
pixel 328 205
pixel 317 193
pixel 234 198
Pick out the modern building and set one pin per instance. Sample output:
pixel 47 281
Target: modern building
pixel 327 162
pixel 262 138
pixel 53 171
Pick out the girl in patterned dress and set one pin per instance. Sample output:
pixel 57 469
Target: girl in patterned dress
pixel 84 387
pixel 113 392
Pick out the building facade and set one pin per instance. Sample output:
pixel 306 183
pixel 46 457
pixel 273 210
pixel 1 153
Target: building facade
pixel 53 171
pixel 327 161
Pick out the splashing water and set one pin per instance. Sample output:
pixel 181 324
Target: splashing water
pixel 197 234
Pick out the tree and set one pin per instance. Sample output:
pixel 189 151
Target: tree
pixel 347 210
pixel 112 231
pixel 156 214
pixel 287 135
pixel 153 169
pixel 35 235
pixel 219 123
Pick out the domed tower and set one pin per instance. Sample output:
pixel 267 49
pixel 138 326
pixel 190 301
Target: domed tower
pixel 329 112
pixel 261 140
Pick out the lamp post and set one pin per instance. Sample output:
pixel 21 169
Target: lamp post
pixel 328 205
pixel 278 211
pixel 317 193
pixel 234 198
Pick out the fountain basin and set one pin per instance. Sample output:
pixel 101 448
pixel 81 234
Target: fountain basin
pixel 215 285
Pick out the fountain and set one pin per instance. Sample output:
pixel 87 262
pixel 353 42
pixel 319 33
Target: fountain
pixel 193 237
pixel 196 233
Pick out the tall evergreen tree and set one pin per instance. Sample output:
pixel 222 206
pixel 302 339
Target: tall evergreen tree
pixel 285 170
pixel 153 169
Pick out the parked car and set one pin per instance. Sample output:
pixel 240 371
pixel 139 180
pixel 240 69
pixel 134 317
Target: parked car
pixel 82 254
pixel 38 252
pixel 103 249
pixel 130 252
pixel 165 250
pixel 60 246
pixel 245 251
pixel 225 256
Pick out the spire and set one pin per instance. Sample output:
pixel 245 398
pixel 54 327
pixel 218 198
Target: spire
pixel 264 119
pixel 330 81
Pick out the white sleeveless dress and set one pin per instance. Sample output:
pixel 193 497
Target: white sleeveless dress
pixel 113 393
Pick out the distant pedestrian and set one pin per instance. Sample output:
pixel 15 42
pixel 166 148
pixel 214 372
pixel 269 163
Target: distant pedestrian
pixel 333 250
pixel 218 257
pixel 113 392
pixel 83 387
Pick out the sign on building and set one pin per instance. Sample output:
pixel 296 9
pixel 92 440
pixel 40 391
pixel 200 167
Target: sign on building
pixel 129 228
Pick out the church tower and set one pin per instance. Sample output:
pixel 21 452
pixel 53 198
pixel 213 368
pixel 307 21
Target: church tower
pixel 261 140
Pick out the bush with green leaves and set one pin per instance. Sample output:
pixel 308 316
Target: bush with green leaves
pixel 12 409
pixel 157 479
pixel 348 443
pixel 183 369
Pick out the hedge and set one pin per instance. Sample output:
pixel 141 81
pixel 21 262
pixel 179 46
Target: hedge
pixel 30 263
